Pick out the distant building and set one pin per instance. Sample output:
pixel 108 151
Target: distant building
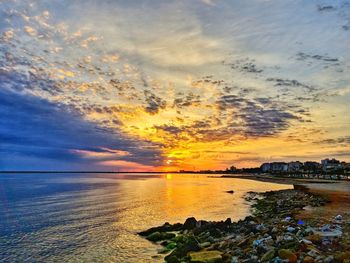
pixel 330 164
pixel 265 167
pixel 295 166
pixel 312 166
pixel 326 165
pixel 279 167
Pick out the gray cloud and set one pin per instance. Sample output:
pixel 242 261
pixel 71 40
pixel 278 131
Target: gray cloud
pixel 186 101
pixel 154 103
pixel 344 141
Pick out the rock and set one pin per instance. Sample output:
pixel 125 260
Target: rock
pixel 291 229
pixel 204 244
pixel 168 235
pixel 163 250
pixel 157 236
pixel 313 253
pixel 228 221
pixel 172 259
pixel 213 256
pixel 338 218
pixel 243 242
pixel 307 242
pixel 214 232
pixel 287 254
pixel 308 259
pixel 179 238
pixel 171 245
pixel 288 219
pixel 187 244
pixel 165 243
pixel 190 223
pixel 164 228
pixel 234 260
pixel 328 259
pixel 342 256
pixel 261 228
pixel 316 239
pixel 269 255
pixel 274 230
pixel 230 192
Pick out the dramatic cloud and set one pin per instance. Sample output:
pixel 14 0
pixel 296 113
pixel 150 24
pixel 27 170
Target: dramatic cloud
pixel 160 84
pixel 36 131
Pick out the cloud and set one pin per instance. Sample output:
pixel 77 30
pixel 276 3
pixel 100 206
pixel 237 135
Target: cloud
pixel 130 81
pixel 36 130
pixel 340 141
pixel 189 100
pixel 208 2
pixel 262 117
pixel 154 103
pixel 290 83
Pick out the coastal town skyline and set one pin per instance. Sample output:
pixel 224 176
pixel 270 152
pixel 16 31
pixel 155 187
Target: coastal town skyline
pixel 172 85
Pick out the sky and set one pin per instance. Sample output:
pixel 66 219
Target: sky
pixel 166 85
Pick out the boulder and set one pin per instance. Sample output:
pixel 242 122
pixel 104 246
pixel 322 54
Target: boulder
pixel 213 256
pixel 190 223
pixel 164 228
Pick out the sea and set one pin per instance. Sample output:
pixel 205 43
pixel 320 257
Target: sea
pixel 95 217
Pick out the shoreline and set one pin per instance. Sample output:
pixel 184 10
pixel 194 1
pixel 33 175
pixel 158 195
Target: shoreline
pixel 283 180
pixel 291 225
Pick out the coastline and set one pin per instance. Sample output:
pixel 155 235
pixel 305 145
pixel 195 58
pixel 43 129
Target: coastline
pixel 281 180
pixel 286 226
pixel 337 192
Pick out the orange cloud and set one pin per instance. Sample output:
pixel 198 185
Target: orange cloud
pixel 127 166
pixel 106 152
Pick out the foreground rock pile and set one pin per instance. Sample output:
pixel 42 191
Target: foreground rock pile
pixel 273 234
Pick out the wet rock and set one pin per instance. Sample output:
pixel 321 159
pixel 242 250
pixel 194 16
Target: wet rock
pixel 172 259
pixel 171 245
pixel 187 244
pixel 163 250
pixel 230 192
pixel 164 228
pixel 261 238
pixel 213 256
pixel 158 236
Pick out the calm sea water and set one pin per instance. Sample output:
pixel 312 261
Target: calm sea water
pixel 95 217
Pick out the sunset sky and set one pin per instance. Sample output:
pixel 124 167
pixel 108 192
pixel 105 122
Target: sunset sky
pixel 150 85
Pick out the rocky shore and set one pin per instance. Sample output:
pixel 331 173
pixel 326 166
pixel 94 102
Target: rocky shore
pixel 275 232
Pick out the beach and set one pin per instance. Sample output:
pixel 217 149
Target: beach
pixel 307 224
